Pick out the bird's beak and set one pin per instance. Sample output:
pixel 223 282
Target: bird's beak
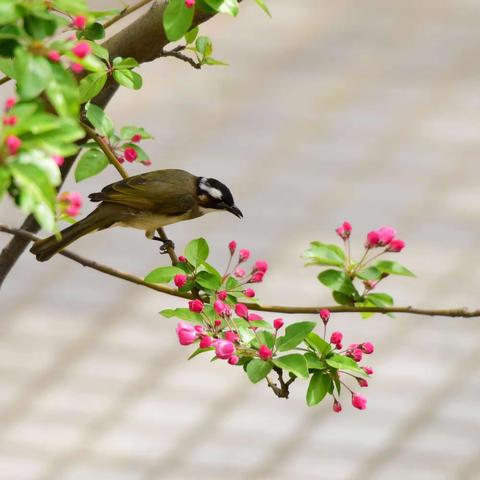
pixel 236 211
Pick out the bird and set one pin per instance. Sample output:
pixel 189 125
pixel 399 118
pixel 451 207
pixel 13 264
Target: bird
pixel 147 201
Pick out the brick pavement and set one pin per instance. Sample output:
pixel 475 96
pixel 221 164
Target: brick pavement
pixel 359 110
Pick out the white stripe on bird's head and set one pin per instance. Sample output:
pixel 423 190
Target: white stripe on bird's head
pixel 212 191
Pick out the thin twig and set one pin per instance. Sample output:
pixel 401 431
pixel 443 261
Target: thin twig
pixel 4 80
pixel 125 12
pixel 455 312
pixel 177 53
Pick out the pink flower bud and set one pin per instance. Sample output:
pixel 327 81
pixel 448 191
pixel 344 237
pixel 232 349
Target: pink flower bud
pixel 233 360
pixel 344 230
pixel 219 307
pixel 186 333
pixel 278 323
pixel 372 240
pixel 13 144
pixel 195 306
pixel 231 336
pixel 232 246
pixel 359 401
pixel 362 382
pixel 217 323
pixel 10 102
pixel 368 370
pixel 182 259
pixel 356 354
pixel 82 49
pixel 337 406
pixel 325 315
pixel 244 255
pixel 257 277
pixel 147 162
pixel 396 245
pixel 241 310
pixel 59 160
pixel 385 236
pixel 239 272
pixel 264 352
pixel 189 3
pixel 199 329
pixel 227 312
pixel 76 68
pixel 261 266
pixel 339 346
pixel 336 337
pixel 253 317
pixel 367 347
pixel 80 22
pixel 70 203
pixel 136 138
pixel 249 292
pixel 10 121
pixel 224 349
pixel 180 280
pixel 130 154
pixel 206 342
pixel 222 295
pixel 370 284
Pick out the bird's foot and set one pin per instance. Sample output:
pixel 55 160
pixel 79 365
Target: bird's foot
pixel 166 244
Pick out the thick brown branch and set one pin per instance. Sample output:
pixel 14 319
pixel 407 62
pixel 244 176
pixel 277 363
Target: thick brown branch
pixel 455 312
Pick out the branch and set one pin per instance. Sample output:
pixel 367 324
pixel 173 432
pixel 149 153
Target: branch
pixel 177 53
pixel 283 391
pixel 126 11
pixel 455 312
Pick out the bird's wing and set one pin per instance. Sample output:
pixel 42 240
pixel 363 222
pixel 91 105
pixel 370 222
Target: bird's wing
pixel 170 191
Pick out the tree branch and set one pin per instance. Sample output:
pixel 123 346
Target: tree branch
pixel 177 53
pixel 455 312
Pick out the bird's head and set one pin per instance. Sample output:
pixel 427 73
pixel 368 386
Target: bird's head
pixel 214 195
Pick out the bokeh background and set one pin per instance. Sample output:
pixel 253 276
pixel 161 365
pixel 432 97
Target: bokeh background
pixel 366 111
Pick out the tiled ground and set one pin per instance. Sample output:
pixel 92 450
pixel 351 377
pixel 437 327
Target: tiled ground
pixel 331 110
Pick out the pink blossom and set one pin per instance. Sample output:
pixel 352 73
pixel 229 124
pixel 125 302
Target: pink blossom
pixel 362 382
pixel 278 323
pixel 186 333
pixel 257 277
pixel 199 329
pixel 82 49
pixel 54 55
pixel 233 360
pixel 13 144
pixel 195 306
pixel 232 246
pixel 59 160
pixel 227 312
pixel 217 322
pixel 10 121
pixel 205 342
pixel 370 284
pixel 224 349
pixel 261 266
pixel 253 317
pixel 367 347
pixel 136 138
pixel 71 203
pixel 239 272
pixel 222 295
pixel 339 346
pixel 356 354
pixel 76 68
pixel 337 406
pixel 80 22
pixel 359 401
pixel 180 280
pixel 182 259
pixel 241 310
pixel 325 315
pixel 130 154
pixel 396 245
pixel 10 102
pixel 219 307
pixel 249 292
pixel 264 352
pixel 189 3
pixel 372 240
pixel 385 236
pixel 344 230
pixel 336 337
pixel 368 370
pixel 244 255
pixel 231 336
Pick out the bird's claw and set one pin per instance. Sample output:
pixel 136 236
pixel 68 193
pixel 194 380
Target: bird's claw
pixel 165 246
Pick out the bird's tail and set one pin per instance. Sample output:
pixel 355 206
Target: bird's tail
pixel 45 249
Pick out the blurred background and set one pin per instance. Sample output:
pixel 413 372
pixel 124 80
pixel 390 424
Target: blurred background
pixel 362 111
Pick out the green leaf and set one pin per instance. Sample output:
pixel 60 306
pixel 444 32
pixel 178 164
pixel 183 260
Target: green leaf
pixel 191 35
pixel 318 343
pixel 263 6
pixel 197 251
pixel 7 67
pixel 343 299
pixel 177 19
pixel 393 268
pixel 91 85
pixel 264 337
pixel 39 26
pixel 380 299
pixel 261 324
pixel 124 63
pixel 337 280
pixel 182 314
pixel 95 31
pixel 9 11
pixel 294 363
pixel 33 74
pixel 341 362
pixel 198 351
pixel 314 362
pixel 91 163
pixel 99 119
pixel 62 91
pixel 370 273
pixel 224 6
pixel 323 254
pixel 126 133
pixel 258 369
pixel 294 334
pixel 74 7
pixel 204 46
pixel 212 61
pixel 208 281
pixel 317 388
pixel 128 79
pixel 162 274
pixel 5 179
pixel 44 162
pixel 100 51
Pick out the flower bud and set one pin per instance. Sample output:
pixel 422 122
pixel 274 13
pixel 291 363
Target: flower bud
pixel 368 370
pixel 195 306
pixel 206 342
pixel 367 347
pixel 233 360
pixel 244 255
pixel 222 295
pixel 336 337
pixel 217 323
pixel 261 266
pixel 325 315
pixel 189 3
pixel 13 144
pixel 385 235
pixel 130 154
pixel 278 323
pixel 239 272
pixel 54 56
pixel 257 277
pixel 253 317
pixel 70 203
pixel 224 349
pixel 80 22
pixel 264 352
pixel 362 382
pixel 76 68
pixel 339 346
pixel 356 354
pixel 372 240
pixel 359 401
pixel 219 307
pixel 232 246
pixel 82 49
pixel 10 121
pixel 10 102
pixel 186 333
pixel 231 336
pixel 182 259
pixel 249 292
pixel 180 280
pixel 396 245
pixel 344 230
pixel 337 406
pixel 241 310
pixel 136 138
pixel 59 160
pixel 146 162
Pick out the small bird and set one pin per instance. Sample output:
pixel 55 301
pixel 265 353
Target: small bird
pixel 147 202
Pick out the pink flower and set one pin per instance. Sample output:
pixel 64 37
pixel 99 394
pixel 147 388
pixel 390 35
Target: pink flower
pixel 136 138
pixel 76 68
pixel 13 144
pixel 325 315
pixel 222 295
pixel 54 55
pixel 241 310
pixel 356 354
pixel 219 307
pixel 359 401
pixel 368 370
pixel 80 22
pixel 232 246
pixel 227 312
pixel 257 277
pixel 82 49
pixel 370 284
pixel 253 317
pixel 199 329
pixel 186 333
pixel 244 255
pixel 339 346
pixel 195 306
pixel 59 160
pixel 233 360
pixel 217 323
pixel 130 154
pixel 385 236
pixel 189 3
pixel 239 272
pixel 205 342
pixel 264 352
pixel 224 349
pixel 344 230
pixel 70 203
pixel 396 245
pixel 11 120
pixel 337 406
pixel 180 280
pixel 261 266
pixel 10 102
pixel 231 336
pixel 182 259
pixel 278 323
pixel 372 240
pixel 336 337
pixel 367 347
pixel 362 382
pixel 249 292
